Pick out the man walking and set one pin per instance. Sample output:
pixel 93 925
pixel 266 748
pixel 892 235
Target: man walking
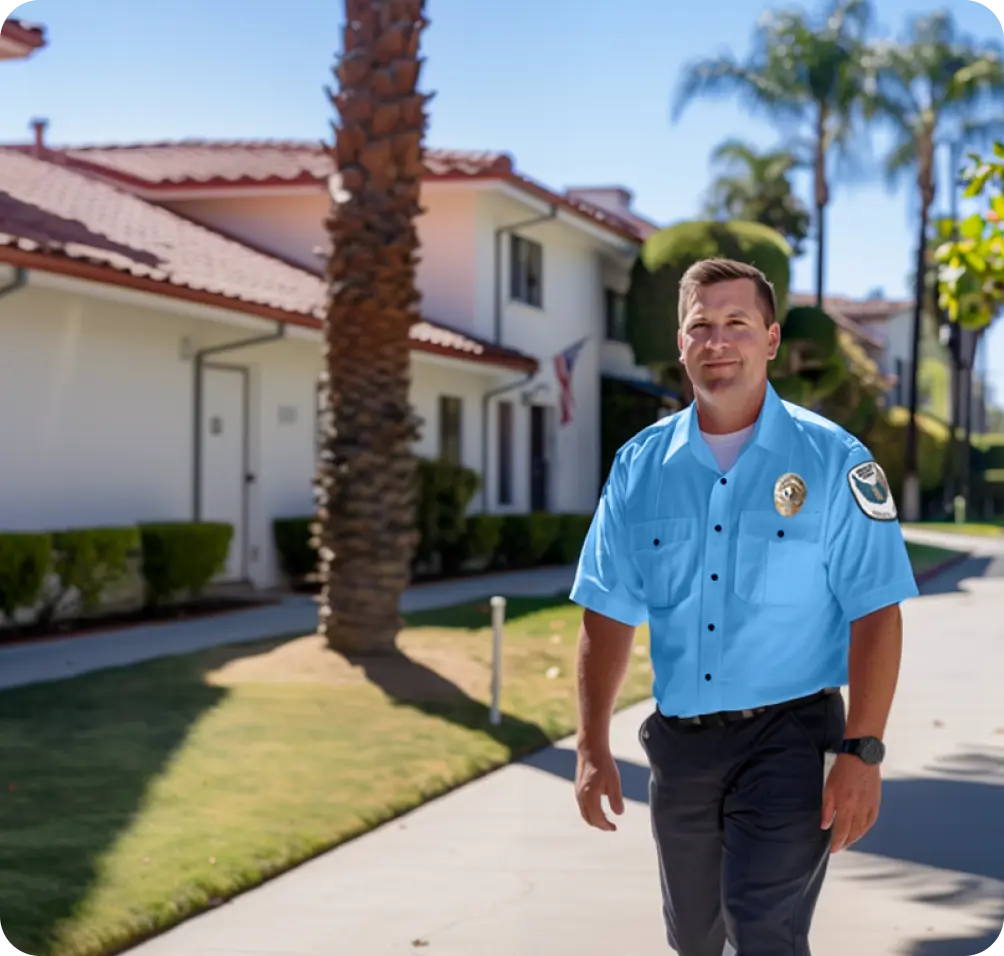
pixel 760 542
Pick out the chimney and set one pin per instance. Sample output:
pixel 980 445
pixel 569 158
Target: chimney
pixel 614 199
pixel 39 126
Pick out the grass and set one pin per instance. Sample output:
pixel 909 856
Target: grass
pixel 925 557
pixel 132 798
pixel 966 527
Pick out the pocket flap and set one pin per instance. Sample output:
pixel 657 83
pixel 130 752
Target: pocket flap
pixel 650 535
pixel 804 526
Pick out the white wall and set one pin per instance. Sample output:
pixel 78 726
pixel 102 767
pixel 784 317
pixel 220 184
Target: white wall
pixel 898 334
pixel 292 227
pixel 96 408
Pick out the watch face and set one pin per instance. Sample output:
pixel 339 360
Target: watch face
pixel 872 750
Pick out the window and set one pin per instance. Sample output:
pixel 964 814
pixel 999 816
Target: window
pixel 615 310
pixel 526 266
pixel 450 419
pixel 505 453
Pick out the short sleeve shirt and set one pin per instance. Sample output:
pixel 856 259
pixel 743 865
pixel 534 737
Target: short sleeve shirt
pixel 750 578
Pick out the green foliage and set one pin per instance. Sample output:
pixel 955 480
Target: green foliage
pixel 88 560
pixel 571 535
pixel 182 556
pixel 653 297
pixel 887 441
pixel 526 539
pixel 970 256
pixel 809 365
pixel 295 547
pixel 25 561
pixel 755 186
pixel 854 403
pixel 624 411
pixel 445 491
pixel 481 538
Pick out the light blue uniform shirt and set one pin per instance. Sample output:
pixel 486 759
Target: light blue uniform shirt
pixel 745 607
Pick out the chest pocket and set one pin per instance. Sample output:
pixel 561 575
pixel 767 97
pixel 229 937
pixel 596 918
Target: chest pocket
pixel 663 552
pixel 780 561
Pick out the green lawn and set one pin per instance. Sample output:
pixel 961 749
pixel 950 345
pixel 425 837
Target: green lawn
pixel 134 797
pixel 924 557
pixel 966 527
pixel 131 798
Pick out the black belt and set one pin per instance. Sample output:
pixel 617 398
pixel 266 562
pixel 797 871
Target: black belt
pixel 723 718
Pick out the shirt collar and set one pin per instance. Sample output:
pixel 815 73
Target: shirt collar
pixel 769 430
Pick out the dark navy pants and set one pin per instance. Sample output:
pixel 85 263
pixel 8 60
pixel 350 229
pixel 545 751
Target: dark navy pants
pixel 736 813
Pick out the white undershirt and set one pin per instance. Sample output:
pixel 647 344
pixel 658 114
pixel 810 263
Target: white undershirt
pixel 726 448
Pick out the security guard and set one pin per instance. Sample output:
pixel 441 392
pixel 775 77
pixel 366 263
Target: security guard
pixel 760 542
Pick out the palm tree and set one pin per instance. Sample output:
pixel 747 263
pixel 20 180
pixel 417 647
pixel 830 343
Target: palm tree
pixel 755 186
pixel 365 488
pixel 802 75
pixel 934 87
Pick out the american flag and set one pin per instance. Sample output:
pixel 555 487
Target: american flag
pixel 563 365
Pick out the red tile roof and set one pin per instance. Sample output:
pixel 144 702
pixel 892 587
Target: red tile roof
pixel 161 167
pixel 55 219
pixel 19 38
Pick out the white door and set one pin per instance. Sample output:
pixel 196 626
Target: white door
pixel 223 476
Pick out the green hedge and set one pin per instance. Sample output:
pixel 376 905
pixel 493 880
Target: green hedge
pixel 175 557
pixel 451 541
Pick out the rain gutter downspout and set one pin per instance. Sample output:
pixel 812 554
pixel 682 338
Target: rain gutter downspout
pixel 499 233
pixel 485 399
pixel 199 360
pixel 19 281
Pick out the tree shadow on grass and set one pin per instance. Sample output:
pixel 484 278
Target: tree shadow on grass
pixel 76 760
pixel 408 682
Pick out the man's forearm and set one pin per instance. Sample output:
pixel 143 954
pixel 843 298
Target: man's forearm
pixel 873 671
pixel 604 652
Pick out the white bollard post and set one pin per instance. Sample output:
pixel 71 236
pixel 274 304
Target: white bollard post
pixel 498 618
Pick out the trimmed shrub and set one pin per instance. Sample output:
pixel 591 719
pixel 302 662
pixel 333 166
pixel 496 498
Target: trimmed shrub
pixel 445 491
pixel 572 532
pixel 25 561
pixel 296 554
pixel 525 539
pixel 481 539
pixel 887 442
pixel 89 560
pixel 653 298
pixel 182 556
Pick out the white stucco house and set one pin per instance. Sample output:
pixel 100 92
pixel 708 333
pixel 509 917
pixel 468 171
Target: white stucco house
pixel 160 316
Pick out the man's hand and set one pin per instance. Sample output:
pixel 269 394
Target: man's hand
pixel 852 797
pixel 596 775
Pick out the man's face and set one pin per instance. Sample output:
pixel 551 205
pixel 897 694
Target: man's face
pixel 724 340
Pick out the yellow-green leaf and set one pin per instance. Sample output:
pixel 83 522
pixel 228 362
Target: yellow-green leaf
pixel 972 226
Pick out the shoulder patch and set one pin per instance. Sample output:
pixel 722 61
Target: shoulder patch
pixel 871 491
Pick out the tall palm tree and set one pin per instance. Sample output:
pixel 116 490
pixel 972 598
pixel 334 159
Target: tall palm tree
pixel 802 75
pixel 755 186
pixel 932 87
pixel 366 477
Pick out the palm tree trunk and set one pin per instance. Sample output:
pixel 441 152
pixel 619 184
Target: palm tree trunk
pixel 366 480
pixel 911 479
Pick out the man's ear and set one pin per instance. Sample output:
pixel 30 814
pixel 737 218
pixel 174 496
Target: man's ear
pixel 679 344
pixel 774 338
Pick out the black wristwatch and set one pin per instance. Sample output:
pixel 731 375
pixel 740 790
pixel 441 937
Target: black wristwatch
pixel 869 749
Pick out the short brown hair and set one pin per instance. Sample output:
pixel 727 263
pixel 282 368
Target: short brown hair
pixel 712 271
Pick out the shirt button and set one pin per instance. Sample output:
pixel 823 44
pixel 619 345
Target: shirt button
pixel 780 534
pixel 725 481
pixel 718 527
pixel 714 577
pixel 711 627
pixel 707 677
pixel 656 542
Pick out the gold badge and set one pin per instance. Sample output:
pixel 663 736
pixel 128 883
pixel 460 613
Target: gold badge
pixel 789 494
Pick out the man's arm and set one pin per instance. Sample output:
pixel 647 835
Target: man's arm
pixel 873 670
pixel 604 653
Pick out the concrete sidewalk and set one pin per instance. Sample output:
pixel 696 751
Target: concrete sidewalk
pixel 66 657
pixel 505 867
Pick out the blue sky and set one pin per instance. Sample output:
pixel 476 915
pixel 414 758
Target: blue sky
pixel 578 91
